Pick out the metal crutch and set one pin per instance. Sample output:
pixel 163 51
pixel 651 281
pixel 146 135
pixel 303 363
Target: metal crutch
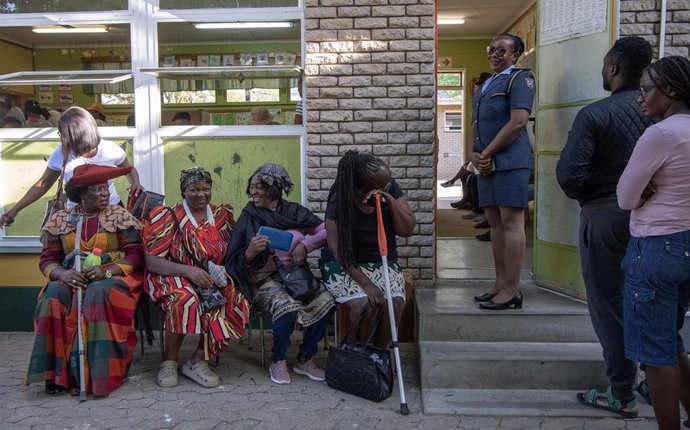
pixel 383 249
pixel 80 311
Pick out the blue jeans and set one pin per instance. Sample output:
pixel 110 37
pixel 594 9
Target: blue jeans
pixel 657 294
pixel 283 328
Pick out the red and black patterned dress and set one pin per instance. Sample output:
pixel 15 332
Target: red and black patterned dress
pixel 176 294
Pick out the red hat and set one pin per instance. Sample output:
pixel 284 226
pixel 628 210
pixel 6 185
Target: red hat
pixel 92 174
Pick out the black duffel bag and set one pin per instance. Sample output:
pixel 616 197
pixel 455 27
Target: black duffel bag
pixel 361 368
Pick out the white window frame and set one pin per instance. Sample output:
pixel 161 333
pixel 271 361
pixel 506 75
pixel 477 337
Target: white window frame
pixel 143 17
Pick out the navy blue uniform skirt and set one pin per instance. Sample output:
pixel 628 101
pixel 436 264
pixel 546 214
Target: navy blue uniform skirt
pixel 508 188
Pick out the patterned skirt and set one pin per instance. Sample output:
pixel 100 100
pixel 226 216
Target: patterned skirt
pixel 108 327
pixel 274 300
pixel 180 303
pixel 344 288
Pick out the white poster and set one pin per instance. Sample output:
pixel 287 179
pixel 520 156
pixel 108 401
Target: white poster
pixel 567 19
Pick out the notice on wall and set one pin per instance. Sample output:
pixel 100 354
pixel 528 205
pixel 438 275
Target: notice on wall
pixel 567 19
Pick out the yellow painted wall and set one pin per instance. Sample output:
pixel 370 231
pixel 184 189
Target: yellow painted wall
pixel 20 271
pixel 16 59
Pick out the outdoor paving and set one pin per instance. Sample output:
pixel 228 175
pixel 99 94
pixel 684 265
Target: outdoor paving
pixel 246 399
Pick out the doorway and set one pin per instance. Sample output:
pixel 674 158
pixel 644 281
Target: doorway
pixel 461 50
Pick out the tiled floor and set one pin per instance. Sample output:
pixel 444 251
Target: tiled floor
pixel 466 257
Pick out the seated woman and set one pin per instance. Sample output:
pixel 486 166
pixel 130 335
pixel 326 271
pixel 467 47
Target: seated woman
pixel 111 290
pixel 351 266
pixel 183 244
pixel 250 264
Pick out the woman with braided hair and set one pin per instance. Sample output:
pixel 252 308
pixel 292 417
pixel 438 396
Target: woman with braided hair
pixel 655 185
pixel 351 264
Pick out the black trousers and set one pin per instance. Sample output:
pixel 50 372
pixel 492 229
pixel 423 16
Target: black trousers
pixel 604 235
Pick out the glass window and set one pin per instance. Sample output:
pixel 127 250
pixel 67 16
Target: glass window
pixel 450 79
pixel 199 4
pixel 448 97
pixel 189 97
pixel 117 99
pixel 230 71
pixel 255 95
pixel 60 70
pixel 39 6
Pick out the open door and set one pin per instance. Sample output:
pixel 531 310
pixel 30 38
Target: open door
pixel 573 37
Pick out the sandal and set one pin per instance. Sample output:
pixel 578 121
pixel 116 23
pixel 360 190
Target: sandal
pixel 447 184
pixel 201 373
pixel 605 401
pixel 54 389
pixel 643 390
pixel 167 374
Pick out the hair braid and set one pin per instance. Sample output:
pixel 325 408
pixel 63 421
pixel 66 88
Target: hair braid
pixel 675 71
pixel 355 171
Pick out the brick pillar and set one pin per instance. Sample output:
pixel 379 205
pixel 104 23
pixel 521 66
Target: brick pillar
pixel 370 86
pixel 643 18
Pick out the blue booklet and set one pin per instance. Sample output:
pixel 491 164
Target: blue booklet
pixel 278 239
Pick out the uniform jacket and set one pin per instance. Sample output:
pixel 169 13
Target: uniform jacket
pixel 491 111
pixel 599 146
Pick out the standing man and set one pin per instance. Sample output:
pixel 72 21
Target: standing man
pixel 599 146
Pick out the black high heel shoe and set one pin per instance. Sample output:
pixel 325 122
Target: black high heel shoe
pixel 515 302
pixel 486 297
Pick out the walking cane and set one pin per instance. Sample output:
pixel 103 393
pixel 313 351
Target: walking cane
pixel 80 311
pixel 383 249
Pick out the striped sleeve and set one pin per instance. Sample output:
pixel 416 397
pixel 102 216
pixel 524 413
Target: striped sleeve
pixel 158 233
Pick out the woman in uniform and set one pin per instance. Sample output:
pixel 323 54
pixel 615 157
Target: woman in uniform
pixel 503 157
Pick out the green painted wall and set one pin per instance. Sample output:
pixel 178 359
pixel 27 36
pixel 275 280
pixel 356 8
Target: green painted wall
pixel 468 54
pixel 23 163
pixel 231 163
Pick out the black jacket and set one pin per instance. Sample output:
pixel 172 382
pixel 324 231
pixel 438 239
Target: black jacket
pixel 599 146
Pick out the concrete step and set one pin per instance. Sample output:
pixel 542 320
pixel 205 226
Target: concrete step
pixel 449 313
pixel 511 365
pixel 514 403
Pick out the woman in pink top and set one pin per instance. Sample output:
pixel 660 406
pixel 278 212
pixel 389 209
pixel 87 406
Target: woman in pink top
pixel 656 187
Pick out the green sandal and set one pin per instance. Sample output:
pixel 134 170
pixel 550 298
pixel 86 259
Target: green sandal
pixel 606 401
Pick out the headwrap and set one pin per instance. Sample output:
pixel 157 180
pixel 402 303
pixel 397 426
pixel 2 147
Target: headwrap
pixel 194 175
pixel 274 174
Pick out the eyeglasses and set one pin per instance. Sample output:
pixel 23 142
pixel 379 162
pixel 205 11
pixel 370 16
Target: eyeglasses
pixel 644 89
pixel 490 50
pixel 98 189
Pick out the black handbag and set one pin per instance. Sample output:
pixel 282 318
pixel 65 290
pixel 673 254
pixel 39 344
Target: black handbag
pixel 209 298
pixel 141 205
pixel 298 279
pixel 361 368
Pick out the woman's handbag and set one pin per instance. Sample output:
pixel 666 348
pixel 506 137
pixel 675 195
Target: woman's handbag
pixel 298 279
pixel 361 368
pixel 214 296
pixel 141 205
pixel 57 203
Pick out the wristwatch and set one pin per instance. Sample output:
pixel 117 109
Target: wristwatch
pixel 108 274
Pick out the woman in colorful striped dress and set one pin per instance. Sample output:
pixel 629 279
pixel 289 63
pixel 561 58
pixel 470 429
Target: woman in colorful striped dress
pixel 182 244
pixel 110 296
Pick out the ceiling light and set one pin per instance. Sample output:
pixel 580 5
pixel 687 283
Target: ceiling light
pixel 71 29
pixel 450 21
pixel 226 25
